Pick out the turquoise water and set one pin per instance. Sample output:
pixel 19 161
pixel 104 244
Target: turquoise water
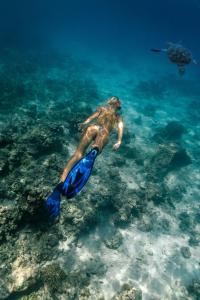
pixel 133 231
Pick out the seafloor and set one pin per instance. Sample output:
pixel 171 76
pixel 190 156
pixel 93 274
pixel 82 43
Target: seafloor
pixel 134 231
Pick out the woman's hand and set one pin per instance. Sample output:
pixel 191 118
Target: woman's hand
pixel 117 145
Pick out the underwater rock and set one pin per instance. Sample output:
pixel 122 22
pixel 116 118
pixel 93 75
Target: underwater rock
pixel 20 273
pixel 185 222
pixel 172 132
pixel 157 192
pixel 180 159
pixel 168 157
pixel 128 293
pixel 194 239
pixel 25 281
pixel 194 289
pixel 185 251
pixel 114 240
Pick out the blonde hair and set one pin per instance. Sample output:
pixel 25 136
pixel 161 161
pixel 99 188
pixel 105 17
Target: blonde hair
pixel 114 101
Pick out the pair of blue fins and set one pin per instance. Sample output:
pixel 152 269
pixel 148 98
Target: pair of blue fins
pixel 74 182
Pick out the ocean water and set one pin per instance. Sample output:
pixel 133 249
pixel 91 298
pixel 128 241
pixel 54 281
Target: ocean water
pixel 133 232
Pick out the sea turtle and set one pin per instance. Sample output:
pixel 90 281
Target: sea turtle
pixel 178 55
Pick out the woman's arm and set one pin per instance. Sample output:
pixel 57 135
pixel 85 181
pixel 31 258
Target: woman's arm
pixel 120 133
pixel 91 117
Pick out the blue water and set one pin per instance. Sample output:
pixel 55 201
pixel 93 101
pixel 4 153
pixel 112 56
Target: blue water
pixel 59 60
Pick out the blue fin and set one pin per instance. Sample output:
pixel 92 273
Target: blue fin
pixel 52 204
pixel 79 174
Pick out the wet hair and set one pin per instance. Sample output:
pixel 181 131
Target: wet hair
pixel 114 101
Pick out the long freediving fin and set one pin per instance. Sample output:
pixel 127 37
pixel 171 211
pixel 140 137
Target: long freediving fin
pixel 52 204
pixel 79 174
pixel 75 181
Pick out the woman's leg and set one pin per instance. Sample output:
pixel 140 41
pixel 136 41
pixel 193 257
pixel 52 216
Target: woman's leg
pixel 101 139
pixel 88 136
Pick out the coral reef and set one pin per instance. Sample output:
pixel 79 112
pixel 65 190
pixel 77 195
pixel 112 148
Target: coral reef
pixel 167 158
pixel 34 148
pixel 44 97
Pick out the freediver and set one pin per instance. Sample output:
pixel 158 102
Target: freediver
pixel 178 55
pixel 79 166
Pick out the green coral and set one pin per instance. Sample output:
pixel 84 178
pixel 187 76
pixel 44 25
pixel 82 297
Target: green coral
pixel 53 276
pixel 128 293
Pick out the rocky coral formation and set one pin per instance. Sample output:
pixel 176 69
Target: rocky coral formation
pixel 185 251
pixel 10 218
pixel 128 293
pixel 194 289
pixel 167 158
pixel 113 240
pixel 173 131
pixel 33 149
pixel 53 276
